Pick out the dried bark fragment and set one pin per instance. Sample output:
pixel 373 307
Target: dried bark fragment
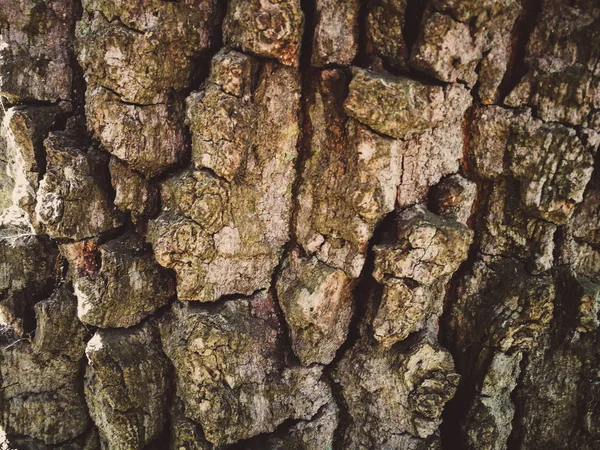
pixel 126 386
pixel 414 271
pixel 317 304
pixel 426 158
pixel 230 369
pixel 222 117
pixel 181 244
pixel 117 284
pixel 71 200
pixel 501 306
pixel 394 400
pixel 223 234
pixel 149 138
pixel 40 395
pixel 135 57
pixel 446 50
pixel 27 264
pixel 133 193
pixel 428 248
pixel 563 81
pixel 34 50
pixel 336 32
pixel 347 157
pixel 349 181
pixel 271 28
pixel 335 226
pixel 143 51
pixel 385 24
pixel 404 309
pixel 453 198
pixel 402 107
pixel 551 162
pixel 467 41
pixel 23 131
pixel 488 422
pixel 315 434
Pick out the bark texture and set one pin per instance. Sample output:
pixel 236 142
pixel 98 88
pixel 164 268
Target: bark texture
pixel 299 224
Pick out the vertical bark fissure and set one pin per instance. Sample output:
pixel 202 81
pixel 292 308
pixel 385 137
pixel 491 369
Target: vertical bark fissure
pixel 521 33
pixel 250 259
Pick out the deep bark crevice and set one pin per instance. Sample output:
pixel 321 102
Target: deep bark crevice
pixel 521 33
pixel 263 218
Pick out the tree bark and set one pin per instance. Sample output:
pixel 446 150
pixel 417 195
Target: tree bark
pixel 299 224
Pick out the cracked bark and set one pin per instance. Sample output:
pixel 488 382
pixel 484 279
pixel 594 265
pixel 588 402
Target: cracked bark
pixel 299 224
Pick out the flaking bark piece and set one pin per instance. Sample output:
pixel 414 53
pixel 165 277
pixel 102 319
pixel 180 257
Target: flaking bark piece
pixel 133 193
pixel 414 271
pixel 223 225
pixel 149 138
pixel 317 305
pixel 349 181
pixel 126 383
pixel 143 51
pixel 394 398
pixel 269 28
pixel 467 41
pixel 40 393
pixel 230 369
pixel 336 32
pixel 428 248
pixel 72 202
pixel 118 283
pixel 35 36
pixel 400 107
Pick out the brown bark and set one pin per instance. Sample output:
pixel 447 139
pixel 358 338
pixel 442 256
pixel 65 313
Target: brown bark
pixel 299 224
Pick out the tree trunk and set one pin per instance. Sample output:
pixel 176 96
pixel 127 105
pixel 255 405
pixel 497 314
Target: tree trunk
pixel 299 224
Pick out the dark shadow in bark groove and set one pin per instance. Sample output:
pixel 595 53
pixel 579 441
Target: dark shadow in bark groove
pixel 261 441
pixel 309 8
pixel 201 63
pixel 466 361
pixel 164 440
pixel 362 58
pixel 285 342
pixel 521 32
pixel 513 442
pixel 412 22
pixel 303 146
pixel 365 286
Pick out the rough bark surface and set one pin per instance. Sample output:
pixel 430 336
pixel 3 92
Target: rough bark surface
pixel 299 224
